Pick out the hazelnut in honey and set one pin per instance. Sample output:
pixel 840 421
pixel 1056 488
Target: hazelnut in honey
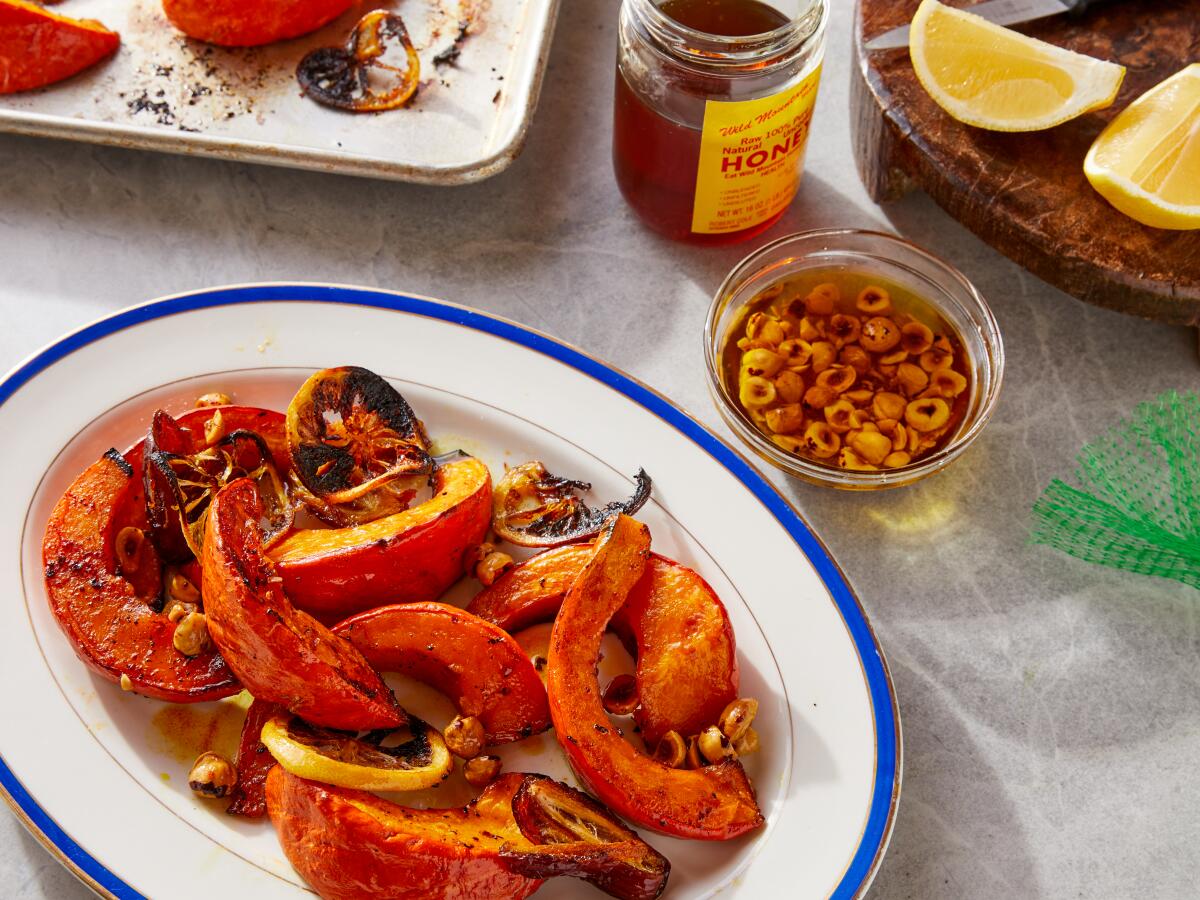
pixel 848 371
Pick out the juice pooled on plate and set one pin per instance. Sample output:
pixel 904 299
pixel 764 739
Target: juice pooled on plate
pixel 712 111
pixel 848 370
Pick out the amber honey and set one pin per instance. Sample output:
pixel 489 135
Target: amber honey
pixel 677 58
pixel 848 370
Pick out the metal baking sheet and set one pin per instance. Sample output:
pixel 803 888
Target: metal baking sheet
pixel 164 91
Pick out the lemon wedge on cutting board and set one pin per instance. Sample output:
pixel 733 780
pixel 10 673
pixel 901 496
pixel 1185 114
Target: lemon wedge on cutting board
pixel 1146 163
pixel 991 77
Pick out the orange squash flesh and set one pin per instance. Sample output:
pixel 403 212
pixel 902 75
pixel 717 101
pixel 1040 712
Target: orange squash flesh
pixel 673 623
pixel 350 844
pixel 474 663
pixel 716 802
pixel 280 653
pixel 108 617
pixel 411 556
pixel 249 23
pixel 38 47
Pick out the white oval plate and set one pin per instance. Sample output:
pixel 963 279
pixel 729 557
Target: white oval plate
pixel 90 770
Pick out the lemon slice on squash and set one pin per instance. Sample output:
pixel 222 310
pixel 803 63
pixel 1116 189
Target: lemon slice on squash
pixel 992 77
pixel 1146 163
pixel 406 760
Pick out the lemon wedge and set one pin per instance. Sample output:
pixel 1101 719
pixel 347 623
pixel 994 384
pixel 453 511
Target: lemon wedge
pixel 396 762
pixel 991 77
pixel 1146 163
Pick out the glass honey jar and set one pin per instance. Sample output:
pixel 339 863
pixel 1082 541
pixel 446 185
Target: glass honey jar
pixel 712 111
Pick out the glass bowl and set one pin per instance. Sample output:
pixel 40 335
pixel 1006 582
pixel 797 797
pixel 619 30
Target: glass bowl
pixel 937 282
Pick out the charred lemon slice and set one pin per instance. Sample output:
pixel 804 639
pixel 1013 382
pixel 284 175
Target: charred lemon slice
pixel 409 759
pixel 357 446
pixel 533 508
pixel 180 487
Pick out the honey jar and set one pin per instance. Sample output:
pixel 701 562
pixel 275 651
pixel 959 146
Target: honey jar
pixel 712 111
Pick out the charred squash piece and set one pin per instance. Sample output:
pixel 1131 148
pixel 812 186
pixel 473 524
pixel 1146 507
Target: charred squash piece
pixel 281 654
pixel 254 761
pixel 108 611
pixel 673 623
pixel 414 555
pixel 578 837
pixel 38 47
pixel 249 23
pixel 349 844
pixel 716 802
pixel 474 663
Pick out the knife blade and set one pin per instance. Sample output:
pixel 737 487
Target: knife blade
pixel 1002 12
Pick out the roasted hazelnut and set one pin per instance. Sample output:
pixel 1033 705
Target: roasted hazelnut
pixel 821 441
pixel 899 437
pixel 880 334
pixel 936 358
pixel 785 419
pixel 897 459
pixel 492 567
pixel 789 386
pixel 916 338
pixel 477 554
pixel 480 771
pixel 714 746
pixel 894 358
pixel 859 396
pixel 912 378
pixel 845 328
pixel 819 396
pixel 762 362
pixel 788 442
pixel 837 415
pixel 213 398
pixel 947 382
pixel 465 737
pixel 848 459
pixel 796 352
pixel 756 392
pixel 928 414
pixel 823 355
pixel 191 634
pixel 179 588
pixel 887 405
pixel 870 445
pixel 212 776
pixel 840 378
pixel 822 299
pixel 621 696
pixel 128 545
pixel 856 358
pixel 874 300
pixel 671 750
pixel 737 717
pixel 214 428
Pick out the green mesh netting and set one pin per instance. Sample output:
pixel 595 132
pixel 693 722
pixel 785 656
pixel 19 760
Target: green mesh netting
pixel 1137 507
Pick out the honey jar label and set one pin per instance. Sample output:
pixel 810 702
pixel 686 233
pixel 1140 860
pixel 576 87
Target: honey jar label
pixel 751 153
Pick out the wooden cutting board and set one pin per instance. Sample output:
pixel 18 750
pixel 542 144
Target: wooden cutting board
pixel 1025 194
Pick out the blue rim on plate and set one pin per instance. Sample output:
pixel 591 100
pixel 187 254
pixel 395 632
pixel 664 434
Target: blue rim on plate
pixel 885 794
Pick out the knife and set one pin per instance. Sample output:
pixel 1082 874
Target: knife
pixel 1002 12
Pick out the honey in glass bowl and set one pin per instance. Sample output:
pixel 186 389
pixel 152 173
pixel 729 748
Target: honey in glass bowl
pixel 848 370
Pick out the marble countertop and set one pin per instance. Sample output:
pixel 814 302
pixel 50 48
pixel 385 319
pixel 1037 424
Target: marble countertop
pixel 1051 709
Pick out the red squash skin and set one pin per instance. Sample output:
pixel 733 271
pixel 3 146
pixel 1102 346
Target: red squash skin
pixel 716 802
pixel 411 556
pixel 280 653
pixel 254 761
pixel 477 665
pixel 249 23
pixel 107 617
pixel 673 622
pixel 350 845
pixel 38 47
